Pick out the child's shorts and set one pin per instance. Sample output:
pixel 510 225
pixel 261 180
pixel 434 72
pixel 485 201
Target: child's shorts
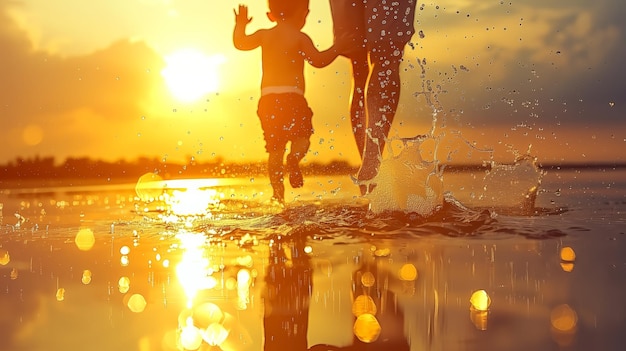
pixel 284 117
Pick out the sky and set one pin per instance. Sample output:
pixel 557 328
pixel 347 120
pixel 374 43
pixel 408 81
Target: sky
pixel 121 79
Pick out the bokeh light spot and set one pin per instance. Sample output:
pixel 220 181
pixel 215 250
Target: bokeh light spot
pixel 137 303
pixel 60 294
pixel 563 318
pixel 367 328
pixel 215 334
pixel 207 313
pixel 190 338
pixel 367 279
pixel 5 258
pixel 408 272
pixel 480 300
pixel 124 250
pixel 363 304
pixel 149 187
pixel 568 254
pixel 123 285
pixel 86 279
pixel 85 239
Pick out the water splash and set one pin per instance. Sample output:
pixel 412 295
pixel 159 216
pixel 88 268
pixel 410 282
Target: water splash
pixel 406 182
pixel 504 188
pixel 513 186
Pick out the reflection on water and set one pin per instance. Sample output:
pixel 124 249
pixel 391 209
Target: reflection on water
pixel 286 295
pixel 108 271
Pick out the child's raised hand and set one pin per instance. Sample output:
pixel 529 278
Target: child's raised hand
pixel 242 16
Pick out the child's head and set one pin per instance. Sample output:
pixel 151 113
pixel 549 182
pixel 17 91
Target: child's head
pixel 286 9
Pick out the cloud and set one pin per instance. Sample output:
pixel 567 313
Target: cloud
pixel 515 61
pixel 44 92
pixel 35 82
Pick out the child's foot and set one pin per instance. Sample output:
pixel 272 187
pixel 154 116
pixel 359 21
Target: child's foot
pixel 279 192
pixel 295 174
pixel 277 201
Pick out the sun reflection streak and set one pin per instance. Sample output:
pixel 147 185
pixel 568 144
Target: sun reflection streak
pixel 207 277
pixel 243 288
pixel 192 201
pixel 178 201
pixel 194 269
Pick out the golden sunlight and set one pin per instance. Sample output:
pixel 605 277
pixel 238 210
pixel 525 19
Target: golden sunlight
pixel 191 74
pixel 193 271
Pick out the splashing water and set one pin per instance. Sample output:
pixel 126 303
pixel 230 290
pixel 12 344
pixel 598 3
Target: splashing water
pixel 512 186
pixel 407 183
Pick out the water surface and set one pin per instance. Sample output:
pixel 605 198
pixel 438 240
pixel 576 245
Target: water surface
pixel 214 265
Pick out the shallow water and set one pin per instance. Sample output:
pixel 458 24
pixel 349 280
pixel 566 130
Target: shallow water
pixel 215 265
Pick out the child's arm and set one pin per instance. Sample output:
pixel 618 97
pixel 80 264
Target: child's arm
pixel 240 39
pixel 315 57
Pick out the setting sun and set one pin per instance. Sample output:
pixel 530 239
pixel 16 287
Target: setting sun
pixel 191 74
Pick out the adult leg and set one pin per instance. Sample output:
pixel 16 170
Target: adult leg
pixel 349 28
pixel 387 26
pixel 358 118
pixel 390 25
pixel 381 101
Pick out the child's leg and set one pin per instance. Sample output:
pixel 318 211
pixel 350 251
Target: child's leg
pixel 299 148
pixel 275 168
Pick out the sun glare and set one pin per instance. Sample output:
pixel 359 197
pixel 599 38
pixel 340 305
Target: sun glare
pixel 191 74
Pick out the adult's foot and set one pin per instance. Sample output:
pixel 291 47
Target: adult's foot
pixel 369 169
pixel 367 189
pixel 365 186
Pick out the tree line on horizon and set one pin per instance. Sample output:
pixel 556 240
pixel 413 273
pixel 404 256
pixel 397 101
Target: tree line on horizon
pixel 85 167
pixel 88 168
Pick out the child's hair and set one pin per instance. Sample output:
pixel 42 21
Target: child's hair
pixel 282 9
